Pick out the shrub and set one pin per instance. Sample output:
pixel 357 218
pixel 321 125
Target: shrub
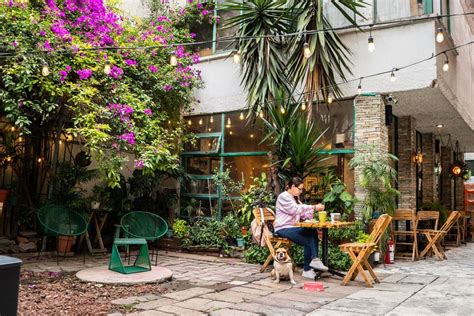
pixel 180 228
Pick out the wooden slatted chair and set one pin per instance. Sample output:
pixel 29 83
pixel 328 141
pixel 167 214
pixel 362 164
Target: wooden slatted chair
pixel 458 231
pixel 359 253
pixel 423 216
pixel 436 236
pixel 272 242
pixel 406 215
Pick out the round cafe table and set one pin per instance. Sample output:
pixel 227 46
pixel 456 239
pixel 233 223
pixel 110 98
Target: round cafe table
pixel 325 227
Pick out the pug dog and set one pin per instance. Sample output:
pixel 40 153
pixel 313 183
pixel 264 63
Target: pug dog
pixel 282 266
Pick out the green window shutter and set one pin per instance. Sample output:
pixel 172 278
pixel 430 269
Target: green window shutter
pixel 428 6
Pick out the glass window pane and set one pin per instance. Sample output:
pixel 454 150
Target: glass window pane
pixel 192 207
pixel 202 165
pixel 245 168
pixel 222 30
pixel 241 135
pixel 339 118
pixel 204 124
pixel 200 186
pixel 203 144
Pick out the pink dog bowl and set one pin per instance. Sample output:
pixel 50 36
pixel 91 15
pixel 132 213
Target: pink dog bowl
pixel 313 286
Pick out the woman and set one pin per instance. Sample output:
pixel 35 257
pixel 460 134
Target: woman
pixel 289 211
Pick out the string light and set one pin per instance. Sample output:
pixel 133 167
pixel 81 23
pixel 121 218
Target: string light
pixel 282 110
pixel 252 136
pixel 45 69
pixel 370 43
pixel 20 139
pixel 173 60
pixel 209 129
pixel 229 123
pixel 446 63
pixel 359 87
pixel 40 160
pixel 9 158
pixel 212 119
pixel 230 133
pixel 241 116
pixel 307 51
pixel 13 128
pixel 330 99
pixel 200 122
pixel 236 57
pixel 303 106
pixel 261 114
pixel 439 35
pixel 107 68
pixel 189 122
pixel 392 75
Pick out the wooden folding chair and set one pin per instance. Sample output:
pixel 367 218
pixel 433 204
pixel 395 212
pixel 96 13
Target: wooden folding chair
pixel 265 216
pixel 423 216
pixel 360 252
pixel 457 232
pixel 406 215
pixel 435 237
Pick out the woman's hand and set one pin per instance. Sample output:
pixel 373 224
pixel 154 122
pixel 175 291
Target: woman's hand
pixel 318 207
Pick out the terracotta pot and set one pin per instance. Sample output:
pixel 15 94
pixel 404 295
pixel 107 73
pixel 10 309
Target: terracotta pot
pixel 244 231
pixel 65 243
pixel 4 195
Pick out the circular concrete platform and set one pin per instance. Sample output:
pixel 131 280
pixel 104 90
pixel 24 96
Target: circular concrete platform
pixel 102 274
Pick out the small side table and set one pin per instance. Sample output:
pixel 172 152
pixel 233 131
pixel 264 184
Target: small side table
pixel 99 222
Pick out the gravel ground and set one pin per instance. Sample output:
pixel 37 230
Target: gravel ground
pixel 58 294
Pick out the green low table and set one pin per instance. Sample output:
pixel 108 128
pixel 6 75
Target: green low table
pixel 142 262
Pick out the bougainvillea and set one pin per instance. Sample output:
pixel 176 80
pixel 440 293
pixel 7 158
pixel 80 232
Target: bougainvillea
pixel 131 112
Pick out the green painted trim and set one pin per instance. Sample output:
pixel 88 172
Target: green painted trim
pixel 428 6
pixel 200 176
pixel 208 135
pixel 200 153
pixel 368 94
pixel 200 195
pixel 338 151
pixel 245 153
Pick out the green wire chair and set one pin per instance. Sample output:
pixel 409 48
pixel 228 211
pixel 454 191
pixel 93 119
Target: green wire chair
pixel 138 228
pixel 56 220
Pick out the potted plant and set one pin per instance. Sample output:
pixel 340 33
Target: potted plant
pixel 338 200
pixel 100 197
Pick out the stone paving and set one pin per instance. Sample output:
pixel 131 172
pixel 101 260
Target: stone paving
pixel 215 286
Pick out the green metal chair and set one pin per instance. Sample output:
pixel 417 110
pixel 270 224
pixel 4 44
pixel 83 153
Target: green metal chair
pixel 138 228
pixel 56 220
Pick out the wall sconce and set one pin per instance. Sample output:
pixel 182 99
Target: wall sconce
pixel 417 158
pixel 437 169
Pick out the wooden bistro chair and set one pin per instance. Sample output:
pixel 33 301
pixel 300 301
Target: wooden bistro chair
pixel 359 252
pixel 266 216
pixel 423 216
pixel 410 234
pixel 435 237
pixel 458 231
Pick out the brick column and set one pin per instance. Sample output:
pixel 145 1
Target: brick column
pixel 429 185
pixel 406 167
pixel 459 183
pixel 446 181
pixel 370 129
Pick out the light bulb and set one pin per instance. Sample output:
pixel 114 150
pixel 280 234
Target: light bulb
pixel 392 77
pixel 40 160
pixel 13 128
pixel 173 60
pixel 241 115
pixel 307 51
pixel 446 65
pixel 371 44
pixel 107 68
pixel 303 106
pixel 209 129
pixel 228 121
pixel 230 133
pixel 359 89
pixel 282 110
pixel 439 35
pixel 251 136
pixel 236 57
pixel 212 119
pixel 200 122
pixel 330 99
pixel 9 158
pixel 45 69
pixel 189 122
pixel 261 114
pixel 20 139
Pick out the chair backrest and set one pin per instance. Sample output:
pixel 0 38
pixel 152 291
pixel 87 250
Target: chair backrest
pixel 268 218
pixel 58 220
pixel 145 225
pixel 379 228
pixel 404 214
pixel 452 218
pixel 428 215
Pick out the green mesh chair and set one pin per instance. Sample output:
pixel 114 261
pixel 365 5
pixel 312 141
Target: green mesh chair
pixel 56 220
pixel 138 228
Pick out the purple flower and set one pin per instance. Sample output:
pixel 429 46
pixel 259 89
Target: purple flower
pixel 116 72
pixel 62 75
pixel 199 6
pixel 128 137
pixel 59 29
pixel 190 1
pixel 205 12
pixel 153 68
pixel 47 45
pixel 42 33
pixel 131 62
pixel 20 104
pixel 192 35
pixel 167 87
pixel 68 68
pixel 84 73
pixel 195 58
pixel 14 43
pixel 147 112
pixel 181 11
pixel 138 164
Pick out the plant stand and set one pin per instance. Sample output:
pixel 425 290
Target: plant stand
pixel 98 226
pixel 142 262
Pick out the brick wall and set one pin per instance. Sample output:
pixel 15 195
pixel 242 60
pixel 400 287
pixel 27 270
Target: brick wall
pixel 429 185
pixel 369 129
pixel 459 191
pixel 447 183
pixel 406 167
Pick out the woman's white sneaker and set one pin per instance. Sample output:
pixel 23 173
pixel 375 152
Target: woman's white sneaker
pixel 317 264
pixel 310 274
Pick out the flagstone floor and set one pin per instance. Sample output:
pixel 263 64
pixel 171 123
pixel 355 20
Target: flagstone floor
pixel 216 286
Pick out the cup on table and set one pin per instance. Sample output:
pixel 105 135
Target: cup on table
pixel 335 217
pixel 323 215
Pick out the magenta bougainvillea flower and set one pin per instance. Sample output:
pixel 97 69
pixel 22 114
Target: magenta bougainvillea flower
pixel 116 72
pixel 131 62
pixel 138 164
pixel 62 75
pixel 168 87
pixel 147 112
pixel 128 137
pixel 84 73
pixel 153 68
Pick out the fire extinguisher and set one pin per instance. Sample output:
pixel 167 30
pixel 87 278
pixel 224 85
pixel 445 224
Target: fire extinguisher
pixel 390 254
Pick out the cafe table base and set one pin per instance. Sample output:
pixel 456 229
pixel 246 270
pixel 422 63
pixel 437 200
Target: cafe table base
pixel 325 246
